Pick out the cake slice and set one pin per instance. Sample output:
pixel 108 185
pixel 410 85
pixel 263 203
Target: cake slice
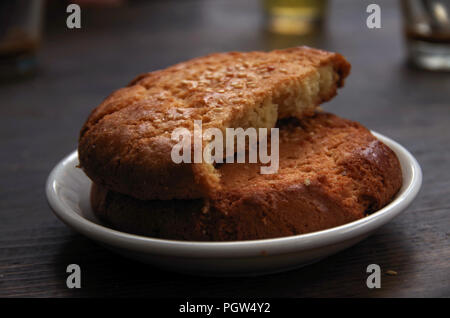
pixel 125 144
pixel 332 171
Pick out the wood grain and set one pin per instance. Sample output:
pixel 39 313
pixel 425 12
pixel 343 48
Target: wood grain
pixel 40 118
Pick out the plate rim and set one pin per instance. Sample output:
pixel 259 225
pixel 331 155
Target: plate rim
pixel 233 249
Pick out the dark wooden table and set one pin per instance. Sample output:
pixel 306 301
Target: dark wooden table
pixel 40 118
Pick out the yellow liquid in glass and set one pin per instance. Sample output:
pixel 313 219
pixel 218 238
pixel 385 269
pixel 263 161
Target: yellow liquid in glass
pixel 294 16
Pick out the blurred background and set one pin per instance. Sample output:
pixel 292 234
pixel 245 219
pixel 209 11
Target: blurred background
pixel 53 76
pixel 59 75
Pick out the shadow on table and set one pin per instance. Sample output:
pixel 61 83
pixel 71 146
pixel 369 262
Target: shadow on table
pixel 343 275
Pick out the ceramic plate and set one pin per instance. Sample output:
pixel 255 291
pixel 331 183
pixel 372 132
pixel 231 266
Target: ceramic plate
pixel 68 191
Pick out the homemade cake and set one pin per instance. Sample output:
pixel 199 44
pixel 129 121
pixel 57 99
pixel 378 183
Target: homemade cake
pixel 332 171
pixel 125 144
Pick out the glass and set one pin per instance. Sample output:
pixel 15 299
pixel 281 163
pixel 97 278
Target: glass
pixel 20 35
pixel 427 31
pixel 298 17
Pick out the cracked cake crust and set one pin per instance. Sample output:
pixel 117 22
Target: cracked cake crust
pixel 125 144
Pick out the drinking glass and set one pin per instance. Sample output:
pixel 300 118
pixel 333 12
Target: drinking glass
pixel 427 32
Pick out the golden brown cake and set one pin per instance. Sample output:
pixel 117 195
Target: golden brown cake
pixel 125 144
pixel 332 171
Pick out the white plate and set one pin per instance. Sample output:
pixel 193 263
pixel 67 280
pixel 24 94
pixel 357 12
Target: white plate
pixel 68 191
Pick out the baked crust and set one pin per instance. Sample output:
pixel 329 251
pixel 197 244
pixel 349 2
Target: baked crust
pixel 125 143
pixel 332 171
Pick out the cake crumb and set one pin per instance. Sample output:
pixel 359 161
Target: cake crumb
pixel 390 272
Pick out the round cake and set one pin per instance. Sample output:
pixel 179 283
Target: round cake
pixel 125 144
pixel 332 171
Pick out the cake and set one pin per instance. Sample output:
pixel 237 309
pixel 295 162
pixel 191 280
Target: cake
pixel 332 171
pixel 125 144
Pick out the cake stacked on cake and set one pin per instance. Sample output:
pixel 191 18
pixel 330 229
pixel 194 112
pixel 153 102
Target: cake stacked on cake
pixel 331 170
